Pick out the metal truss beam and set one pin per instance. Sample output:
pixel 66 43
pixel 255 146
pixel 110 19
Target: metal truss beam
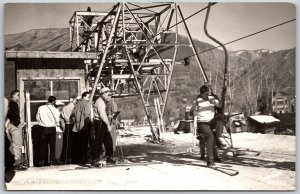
pixel 130 49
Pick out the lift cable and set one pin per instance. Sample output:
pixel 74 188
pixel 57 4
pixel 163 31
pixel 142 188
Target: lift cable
pixel 212 4
pixel 242 37
pixel 184 19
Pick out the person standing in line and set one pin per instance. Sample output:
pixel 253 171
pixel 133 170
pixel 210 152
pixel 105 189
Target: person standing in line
pixel 59 134
pixel 48 119
pixel 102 128
pixel 82 130
pixel 69 124
pixel 14 129
pixel 9 159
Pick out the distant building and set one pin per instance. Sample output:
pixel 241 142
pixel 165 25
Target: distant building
pixel 262 123
pixel 283 103
pixel 287 121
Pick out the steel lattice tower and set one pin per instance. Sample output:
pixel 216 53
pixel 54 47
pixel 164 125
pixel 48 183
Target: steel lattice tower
pixel 130 41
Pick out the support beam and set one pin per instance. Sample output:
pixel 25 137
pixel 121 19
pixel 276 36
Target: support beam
pixel 105 53
pixel 193 45
pixel 154 136
pixel 149 40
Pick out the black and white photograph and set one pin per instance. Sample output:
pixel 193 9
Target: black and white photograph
pixel 149 96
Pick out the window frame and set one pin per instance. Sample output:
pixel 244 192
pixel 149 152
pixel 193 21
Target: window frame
pixel 50 79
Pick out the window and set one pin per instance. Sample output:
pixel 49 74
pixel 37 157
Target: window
pixel 64 89
pixel 40 90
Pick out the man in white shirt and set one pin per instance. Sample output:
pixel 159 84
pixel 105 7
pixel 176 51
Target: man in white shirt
pixel 204 112
pixel 48 118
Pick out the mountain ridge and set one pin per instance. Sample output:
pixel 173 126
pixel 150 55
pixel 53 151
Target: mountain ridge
pixel 260 65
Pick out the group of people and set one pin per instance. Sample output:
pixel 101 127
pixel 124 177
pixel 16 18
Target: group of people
pixel 209 124
pixel 86 128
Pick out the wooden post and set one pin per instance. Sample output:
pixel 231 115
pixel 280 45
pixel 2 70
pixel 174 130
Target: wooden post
pixel 157 115
pixel 160 117
pixel 28 126
pixel 77 31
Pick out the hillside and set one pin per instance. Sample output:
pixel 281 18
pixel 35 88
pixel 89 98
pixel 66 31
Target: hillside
pixel 248 69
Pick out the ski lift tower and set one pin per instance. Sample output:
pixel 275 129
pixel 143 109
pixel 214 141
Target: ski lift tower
pixel 131 41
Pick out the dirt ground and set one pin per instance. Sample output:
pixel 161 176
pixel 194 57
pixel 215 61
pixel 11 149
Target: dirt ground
pixel 259 162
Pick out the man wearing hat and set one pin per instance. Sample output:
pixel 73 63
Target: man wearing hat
pixel 102 127
pixel 204 112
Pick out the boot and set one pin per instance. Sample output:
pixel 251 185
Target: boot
pixel 210 163
pixel 219 143
pixel 41 163
pixel 202 157
pixel 216 154
pixel 52 163
pixel 96 163
pixel 218 160
pixel 111 160
pixel 20 167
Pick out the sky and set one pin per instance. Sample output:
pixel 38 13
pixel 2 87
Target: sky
pixel 227 21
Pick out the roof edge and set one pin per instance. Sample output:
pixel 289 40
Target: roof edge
pixel 49 54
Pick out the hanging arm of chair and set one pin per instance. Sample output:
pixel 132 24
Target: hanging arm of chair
pixel 224 89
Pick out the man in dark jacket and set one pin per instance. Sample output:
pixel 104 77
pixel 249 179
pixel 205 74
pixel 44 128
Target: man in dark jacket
pixel 82 138
pixel 14 128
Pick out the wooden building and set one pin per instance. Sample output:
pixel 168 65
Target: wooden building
pixel 45 73
pixel 39 74
pixel 262 124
